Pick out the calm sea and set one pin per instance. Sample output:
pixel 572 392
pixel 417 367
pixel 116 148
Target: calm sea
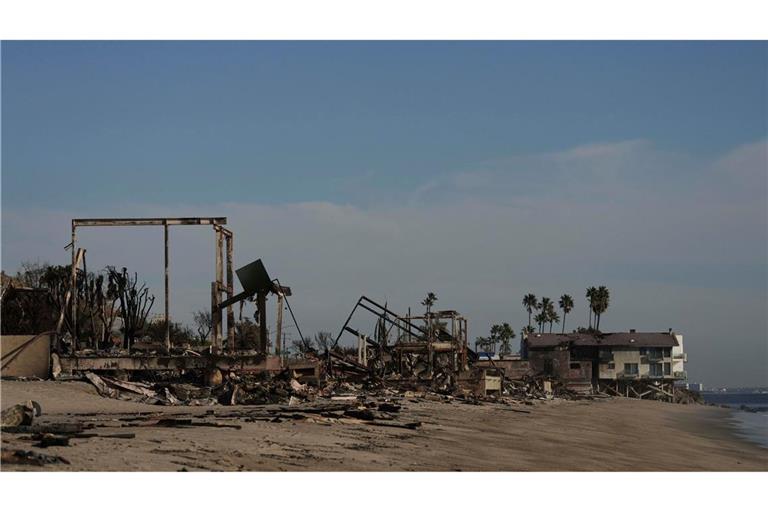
pixel 750 425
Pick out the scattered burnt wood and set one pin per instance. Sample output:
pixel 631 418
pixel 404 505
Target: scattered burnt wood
pixel 188 422
pixel 409 425
pixel 89 435
pixel 44 440
pixel 47 428
pixel 29 457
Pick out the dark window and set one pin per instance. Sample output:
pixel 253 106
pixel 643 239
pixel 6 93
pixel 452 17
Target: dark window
pixel 630 368
pixel 654 354
pixel 667 369
pixel 667 352
pixel 575 366
pixel 655 370
pixel 643 351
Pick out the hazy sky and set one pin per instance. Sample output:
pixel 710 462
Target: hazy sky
pixel 479 171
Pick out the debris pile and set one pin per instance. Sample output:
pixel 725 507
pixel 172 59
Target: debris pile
pixel 30 457
pixel 686 396
pixel 19 418
pixel 160 393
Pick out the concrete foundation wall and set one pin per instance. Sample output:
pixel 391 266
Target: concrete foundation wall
pixel 26 355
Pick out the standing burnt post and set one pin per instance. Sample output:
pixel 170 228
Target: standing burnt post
pixel 167 291
pixel 224 237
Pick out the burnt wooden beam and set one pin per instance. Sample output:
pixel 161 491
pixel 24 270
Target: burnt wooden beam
pixel 279 326
pixel 261 304
pixel 150 221
pixel 219 282
pixel 230 290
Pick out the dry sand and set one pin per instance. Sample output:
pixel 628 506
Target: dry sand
pixel 605 435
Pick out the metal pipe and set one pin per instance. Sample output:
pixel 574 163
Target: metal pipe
pixel 279 326
pixel 336 341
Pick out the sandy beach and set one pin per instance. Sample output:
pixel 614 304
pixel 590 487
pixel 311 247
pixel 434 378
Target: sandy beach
pixel 602 435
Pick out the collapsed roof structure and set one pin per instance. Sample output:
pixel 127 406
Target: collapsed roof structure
pixel 411 347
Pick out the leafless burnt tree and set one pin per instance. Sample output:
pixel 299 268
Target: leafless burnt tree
pixel 135 303
pixel 203 324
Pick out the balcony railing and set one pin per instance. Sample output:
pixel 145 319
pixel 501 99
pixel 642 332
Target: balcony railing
pixel 624 375
pixel 680 375
pixel 682 356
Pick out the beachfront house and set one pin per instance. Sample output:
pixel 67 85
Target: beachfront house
pixel 637 364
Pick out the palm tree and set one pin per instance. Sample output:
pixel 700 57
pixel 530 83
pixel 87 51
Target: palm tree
pixel 529 303
pixel 553 318
pixel 603 298
pixel 429 301
pixel 540 319
pixel 544 306
pixel 566 304
pixel 503 333
pixel 591 296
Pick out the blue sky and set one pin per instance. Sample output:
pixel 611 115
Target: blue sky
pixel 305 121
pixel 479 170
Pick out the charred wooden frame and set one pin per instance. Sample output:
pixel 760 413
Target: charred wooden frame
pixel 222 235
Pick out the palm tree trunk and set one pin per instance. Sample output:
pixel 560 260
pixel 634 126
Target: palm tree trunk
pixel 529 318
pixel 590 317
pixel 550 327
pixel 564 315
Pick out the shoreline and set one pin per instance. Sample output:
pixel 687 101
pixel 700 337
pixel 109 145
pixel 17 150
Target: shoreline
pixel 750 426
pixel 616 434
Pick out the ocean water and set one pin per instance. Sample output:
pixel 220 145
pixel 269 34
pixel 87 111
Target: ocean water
pixel 749 425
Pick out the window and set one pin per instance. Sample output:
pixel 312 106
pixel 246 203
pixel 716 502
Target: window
pixel 667 352
pixel 575 366
pixel 654 354
pixel 643 351
pixel 655 370
pixel 630 368
pixel 611 366
pixel 667 368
